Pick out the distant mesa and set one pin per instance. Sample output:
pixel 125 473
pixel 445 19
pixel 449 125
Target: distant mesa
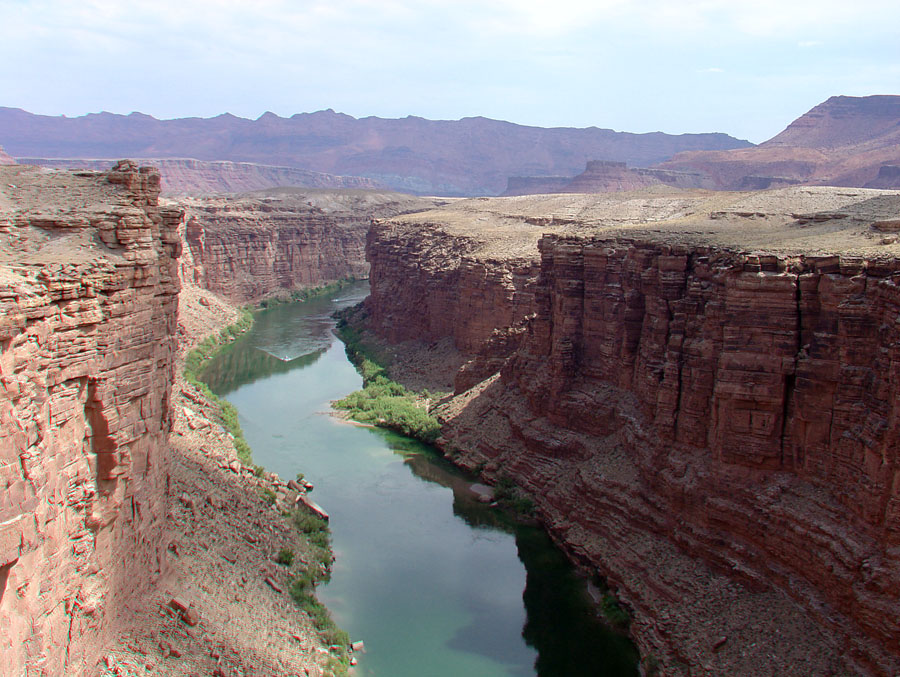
pixel 604 176
pixel 472 156
pixel 888 177
pixel 188 177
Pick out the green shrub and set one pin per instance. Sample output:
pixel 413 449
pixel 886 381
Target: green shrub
pixel 193 366
pixel 331 634
pixel 383 402
pixel 389 405
pixel 510 495
pixel 613 611
pixel 268 495
pixel 318 535
pixel 285 557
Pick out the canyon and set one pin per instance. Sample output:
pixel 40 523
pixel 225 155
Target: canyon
pixel 270 243
pixel 471 156
pixel 698 390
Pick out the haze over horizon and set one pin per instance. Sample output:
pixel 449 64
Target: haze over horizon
pixel 745 69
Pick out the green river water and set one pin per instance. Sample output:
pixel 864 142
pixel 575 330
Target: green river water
pixel 435 583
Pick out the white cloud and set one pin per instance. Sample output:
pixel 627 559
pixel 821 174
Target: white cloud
pixel 629 64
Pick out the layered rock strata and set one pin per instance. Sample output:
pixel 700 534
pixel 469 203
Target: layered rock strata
pixel 186 176
pixel 455 292
pixel 712 428
pixel 276 241
pixel 88 291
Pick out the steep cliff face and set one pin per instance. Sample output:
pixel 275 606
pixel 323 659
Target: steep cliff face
pixel 88 291
pixel 715 431
pixel 454 291
pixel 736 388
pixel 280 240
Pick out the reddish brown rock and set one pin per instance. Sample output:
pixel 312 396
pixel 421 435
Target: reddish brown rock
pixel 191 616
pixel 714 430
pixel 88 291
pixel 604 177
pixel 273 584
pixel 6 159
pixel 536 185
pixel 455 290
pixel 277 241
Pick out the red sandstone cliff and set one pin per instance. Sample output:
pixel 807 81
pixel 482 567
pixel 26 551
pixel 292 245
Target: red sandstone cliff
pixel 88 292
pixel 714 431
pixel 276 241
pixel 5 159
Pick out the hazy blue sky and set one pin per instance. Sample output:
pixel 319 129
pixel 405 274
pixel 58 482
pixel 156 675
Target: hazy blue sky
pixel 742 67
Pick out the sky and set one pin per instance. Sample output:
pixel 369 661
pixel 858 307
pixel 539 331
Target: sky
pixel 746 68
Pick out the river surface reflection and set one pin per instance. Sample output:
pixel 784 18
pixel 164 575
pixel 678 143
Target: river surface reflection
pixel 435 583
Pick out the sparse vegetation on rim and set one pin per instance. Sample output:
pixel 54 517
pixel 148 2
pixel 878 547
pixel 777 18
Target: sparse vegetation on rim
pixel 285 557
pixel 193 366
pixel 303 586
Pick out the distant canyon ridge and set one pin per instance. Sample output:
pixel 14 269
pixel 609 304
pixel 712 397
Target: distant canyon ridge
pixel 844 141
pixel 472 156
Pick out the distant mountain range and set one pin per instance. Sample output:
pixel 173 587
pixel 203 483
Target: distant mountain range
pixel 845 141
pixel 472 156
pixel 849 141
